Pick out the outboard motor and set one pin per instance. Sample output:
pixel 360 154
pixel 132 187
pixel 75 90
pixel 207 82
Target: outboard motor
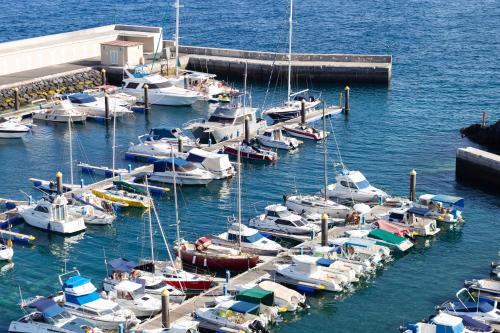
pixel 257 327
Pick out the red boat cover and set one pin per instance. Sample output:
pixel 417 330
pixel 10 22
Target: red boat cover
pixel 392 228
pixel 202 243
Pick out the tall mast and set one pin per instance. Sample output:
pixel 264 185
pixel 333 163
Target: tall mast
pixel 290 51
pixel 177 14
pixel 151 241
pixel 239 198
pixel 114 143
pixel 70 151
pixel 177 223
pixel 324 153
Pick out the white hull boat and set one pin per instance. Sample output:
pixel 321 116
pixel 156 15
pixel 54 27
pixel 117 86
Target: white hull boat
pixel 284 298
pixel 6 251
pixel 304 131
pixel 292 108
pixel 225 317
pixel 279 219
pixel 186 173
pixel 95 106
pixel 53 216
pixel 91 215
pixel 217 164
pixel 12 129
pixel 276 139
pixel 60 111
pixel 130 295
pixel 312 204
pixel 352 185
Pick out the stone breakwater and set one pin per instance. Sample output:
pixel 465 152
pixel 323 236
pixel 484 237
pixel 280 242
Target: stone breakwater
pixel 46 88
pixel 484 135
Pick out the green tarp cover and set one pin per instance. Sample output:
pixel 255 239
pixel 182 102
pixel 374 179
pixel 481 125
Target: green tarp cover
pixel 257 296
pixel 129 187
pixel 386 236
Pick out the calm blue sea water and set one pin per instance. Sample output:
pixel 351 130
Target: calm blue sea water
pixel 446 72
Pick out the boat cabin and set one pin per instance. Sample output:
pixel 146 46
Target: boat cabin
pixel 169 164
pixel 47 311
pixel 352 180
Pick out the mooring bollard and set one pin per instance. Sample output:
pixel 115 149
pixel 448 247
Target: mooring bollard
pixel 483 124
pixel 103 77
pixel 303 112
pixel 228 275
pixel 106 107
pixel 130 168
pixel 146 98
pixel 413 185
pixel 81 183
pixel 346 99
pixel 59 182
pixel 120 328
pixel 247 130
pixel 209 142
pixel 186 81
pixel 180 147
pixel 324 229
pixel 165 312
pixel 16 98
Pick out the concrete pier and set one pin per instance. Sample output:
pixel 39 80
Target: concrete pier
pixel 478 166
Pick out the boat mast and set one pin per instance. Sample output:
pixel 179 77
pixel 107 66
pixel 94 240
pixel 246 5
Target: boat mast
pixel 177 12
pixel 324 153
pixel 70 151
pixel 177 223
pixel 290 51
pixel 239 197
pixel 114 143
pixel 151 241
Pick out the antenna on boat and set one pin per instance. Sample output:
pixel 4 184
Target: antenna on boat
pixel 70 151
pixel 324 154
pixel 290 21
pixel 245 88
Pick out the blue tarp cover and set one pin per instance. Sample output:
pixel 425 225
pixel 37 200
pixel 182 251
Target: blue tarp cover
pixel 161 132
pixel 324 262
pixel 122 265
pixel 80 300
pixel 81 98
pixel 419 210
pixel 166 164
pixel 244 307
pixel 449 199
pixel 48 307
pixel 472 323
pixel 473 307
pixel 75 281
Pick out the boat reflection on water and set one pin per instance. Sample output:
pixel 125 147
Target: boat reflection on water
pixel 6 268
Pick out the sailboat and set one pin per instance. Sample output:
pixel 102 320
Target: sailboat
pixel 292 106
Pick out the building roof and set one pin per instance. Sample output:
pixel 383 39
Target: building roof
pixel 122 43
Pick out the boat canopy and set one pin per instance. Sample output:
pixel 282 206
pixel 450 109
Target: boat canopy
pixel 392 228
pixel 256 296
pixel 245 307
pixel 128 286
pixel 449 200
pixel 166 165
pixel 75 281
pixel 80 300
pixel 47 307
pixel 81 98
pixel 122 265
pixel 423 211
pixel 448 323
pixel 470 322
pixel 386 236
pixel 158 133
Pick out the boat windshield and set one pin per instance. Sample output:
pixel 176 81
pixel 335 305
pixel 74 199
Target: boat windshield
pixel 284 213
pixel 159 85
pixel 222 120
pixel 253 238
pixel 60 318
pixel 363 184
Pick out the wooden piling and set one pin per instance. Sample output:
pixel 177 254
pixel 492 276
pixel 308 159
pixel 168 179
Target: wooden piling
pixel 146 98
pixel 247 130
pixel 16 98
pixel 324 229
pixel 346 99
pixel 165 311
pixel 303 112
pixel 413 185
pixel 59 182
pixel 103 76
pixel 180 147
pixel 106 107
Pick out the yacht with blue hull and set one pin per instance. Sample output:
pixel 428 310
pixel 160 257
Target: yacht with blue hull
pixel 48 317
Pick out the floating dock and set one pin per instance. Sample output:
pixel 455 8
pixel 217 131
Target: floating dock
pixel 474 165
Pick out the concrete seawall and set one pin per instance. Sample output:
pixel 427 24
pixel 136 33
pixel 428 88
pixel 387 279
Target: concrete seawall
pixel 476 166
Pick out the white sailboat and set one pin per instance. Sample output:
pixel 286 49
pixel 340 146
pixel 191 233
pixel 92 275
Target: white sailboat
pixel 292 106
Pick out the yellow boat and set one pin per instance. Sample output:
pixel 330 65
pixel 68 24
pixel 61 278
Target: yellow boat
pixel 124 197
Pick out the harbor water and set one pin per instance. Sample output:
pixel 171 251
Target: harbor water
pixel 445 73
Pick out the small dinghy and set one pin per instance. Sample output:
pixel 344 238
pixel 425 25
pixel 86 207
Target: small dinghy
pixel 444 208
pixel 6 250
pixel 251 152
pixel 275 138
pixel 48 317
pixel 124 197
pixel 92 215
pixel 417 219
pixel 215 163
pixel 284 298
pixel 95 106
pixel 304 131
pixel 11 128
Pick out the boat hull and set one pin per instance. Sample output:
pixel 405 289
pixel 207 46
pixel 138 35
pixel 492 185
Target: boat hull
pixel 253 156
pixel 75 226
pixel 8 134
pixel 169 179
pixel 60 118
pixel 164 98
pixel 204 260
pixel 130 202
pixel 297 132
pixel 190 285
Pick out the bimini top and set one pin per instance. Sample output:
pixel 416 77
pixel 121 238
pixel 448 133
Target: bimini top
pixel 449 199
pixel 386 236
pixel 449 321
pixel 158 133
pixel 81 98
pixel 422 211
pixel 47 307
pixel 256 296
pixel 122 265
pixel 245 307
pixel 179 164
pixel 75 281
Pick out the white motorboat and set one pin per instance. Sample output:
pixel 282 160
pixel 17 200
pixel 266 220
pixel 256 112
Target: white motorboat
pixel 150 147
pixel 88 198
pixel 279 218
pixel 444 322
pixel 352 185
pixel 352 259
pixel 81 299
pixel 161 91
pixel 124 99
pixel 304 131
pixel 186 173
pixel 226 122
pixel 291 108
pixel 252 241
pixel 284 298
pixel 337 262
pixel 274 138
pixel 234 315
pixel 11 128
pixel 217 164
pixel 95 106
pixel 204 83
pixel 61 111
pixel 484 310
pixel 130 295
pixel 154 284
pixel 6 250
pixel 445 208
pixel 363 246
pixel 304 269
pixel 416 218
pixel 172 135
pixel 48 317
pixel 53 215
pixel 485 286
pixel 314 204
pixel 92 215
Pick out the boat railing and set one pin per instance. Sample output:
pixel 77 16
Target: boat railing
pixel 193 121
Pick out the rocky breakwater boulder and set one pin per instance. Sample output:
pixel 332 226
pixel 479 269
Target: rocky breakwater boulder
pixel 487 135
pixel 47 88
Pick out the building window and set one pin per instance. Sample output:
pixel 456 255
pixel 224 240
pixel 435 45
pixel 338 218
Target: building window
pixel 114 57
